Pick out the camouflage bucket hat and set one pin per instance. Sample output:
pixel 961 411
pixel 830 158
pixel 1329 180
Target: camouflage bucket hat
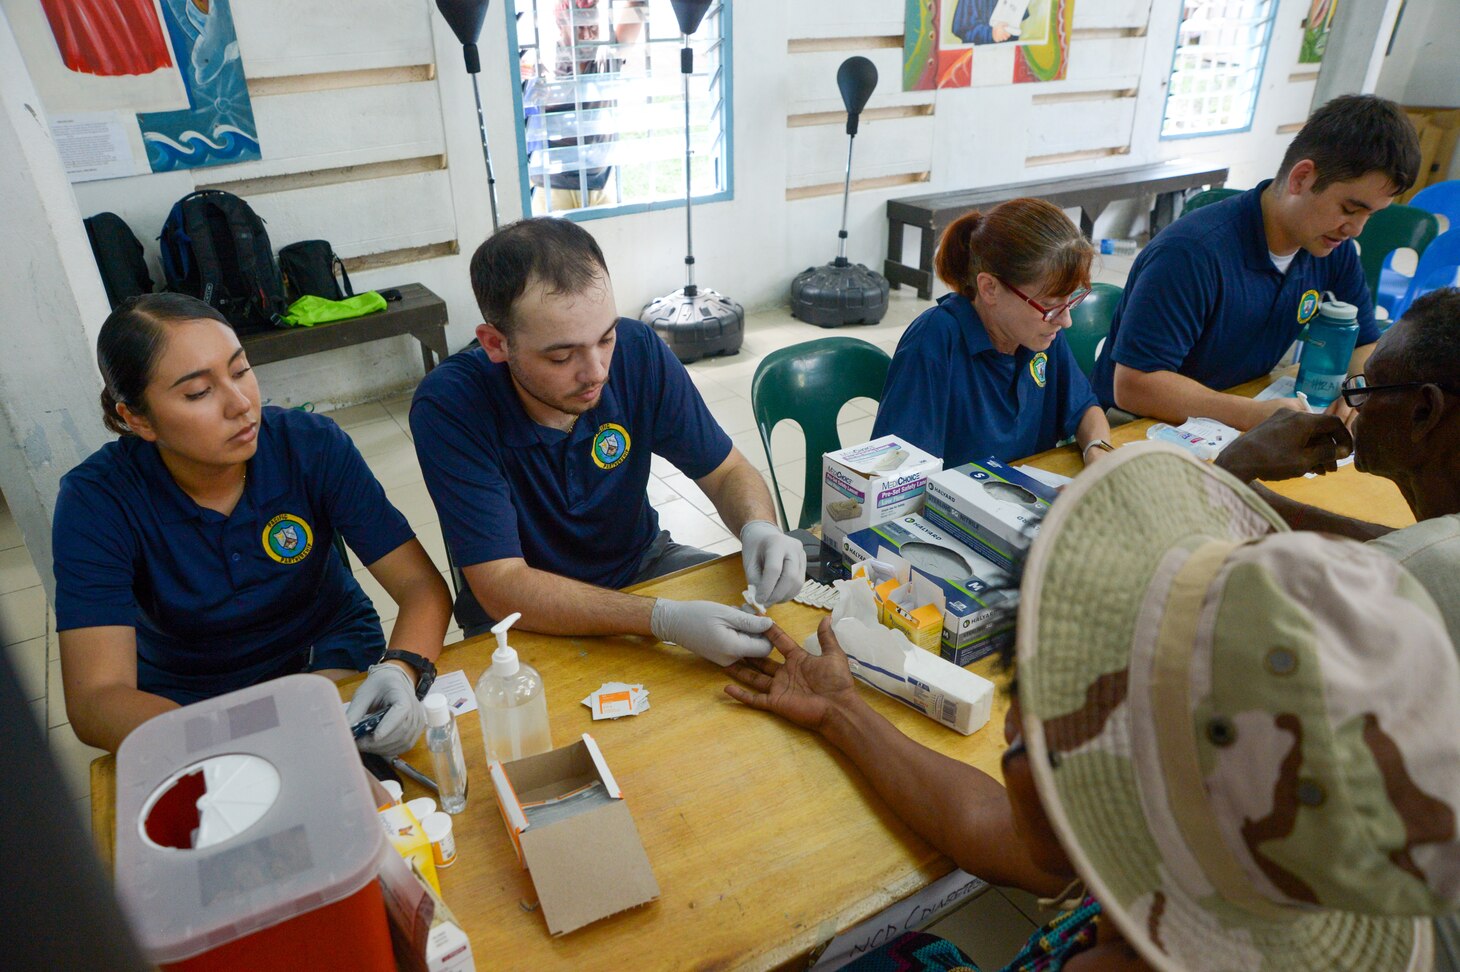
pixel 1247 739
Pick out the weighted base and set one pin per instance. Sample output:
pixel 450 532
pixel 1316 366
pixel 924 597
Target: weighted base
pixel 832 295
pixel 701 326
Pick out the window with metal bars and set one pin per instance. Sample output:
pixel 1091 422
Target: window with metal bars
pixel 1221 47
pixel 603 110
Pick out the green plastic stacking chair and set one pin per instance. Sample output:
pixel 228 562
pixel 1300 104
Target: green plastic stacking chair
pixel 1206 197
pixel 1091 323
pixel 1388 230
pixel 808 384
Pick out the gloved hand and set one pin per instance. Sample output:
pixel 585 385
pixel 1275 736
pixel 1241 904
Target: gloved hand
pixel 388 687
pixel 775 563
pixel 715 632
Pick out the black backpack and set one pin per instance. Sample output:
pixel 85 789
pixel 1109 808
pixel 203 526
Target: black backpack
pixel 309 269
pixel 215 247
pixel 118 256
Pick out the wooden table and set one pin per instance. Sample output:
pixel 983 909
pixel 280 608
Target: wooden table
pixel 1090 194
pixel 763 839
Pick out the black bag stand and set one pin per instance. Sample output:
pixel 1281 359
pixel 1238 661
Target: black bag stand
pixel 695 323
pixel 841 292
pixel 465 18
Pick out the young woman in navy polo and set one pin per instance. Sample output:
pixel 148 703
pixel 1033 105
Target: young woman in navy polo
pixel 196 554
pixel 987 372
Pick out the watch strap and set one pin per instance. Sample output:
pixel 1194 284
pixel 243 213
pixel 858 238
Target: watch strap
pixel 425 668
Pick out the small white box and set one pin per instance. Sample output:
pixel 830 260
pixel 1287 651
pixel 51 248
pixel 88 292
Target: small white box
pixel 868 484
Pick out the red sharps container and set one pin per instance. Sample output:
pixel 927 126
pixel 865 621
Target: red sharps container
pixel 247 837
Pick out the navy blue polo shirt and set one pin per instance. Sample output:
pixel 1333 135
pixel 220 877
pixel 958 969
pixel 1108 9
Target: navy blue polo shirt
pixel 1205 301
pixel 951 393
pixel 220 603
pixel 571 503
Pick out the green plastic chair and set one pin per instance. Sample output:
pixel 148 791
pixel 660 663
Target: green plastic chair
pixel 1206 197
pixel 1388 230
pixel 808 384
pixel 1091 323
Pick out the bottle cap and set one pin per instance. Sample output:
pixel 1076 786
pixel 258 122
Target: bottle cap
pixel 437 711
pixel 504 659
pixel 1337 309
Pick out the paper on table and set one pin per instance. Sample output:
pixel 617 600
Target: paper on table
pixel 1285 386
pixel 460 698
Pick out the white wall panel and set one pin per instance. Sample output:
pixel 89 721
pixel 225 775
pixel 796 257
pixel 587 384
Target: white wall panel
pixel 363 217
pixel 844 18
pixel 817 154
pixel 1077 126
pixel 1112 57
pixel 811 80
pixel 347 126
pixel 283 37
pixel 1092 14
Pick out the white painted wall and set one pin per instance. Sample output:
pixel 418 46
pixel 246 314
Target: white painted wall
pixel 1424 66
pixel 748 248
pixel 51 308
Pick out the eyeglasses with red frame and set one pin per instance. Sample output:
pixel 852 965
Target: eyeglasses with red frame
pixel 1049 313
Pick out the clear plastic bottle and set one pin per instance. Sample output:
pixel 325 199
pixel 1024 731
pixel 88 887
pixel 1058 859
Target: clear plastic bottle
pixel 511 703
pixel 444 743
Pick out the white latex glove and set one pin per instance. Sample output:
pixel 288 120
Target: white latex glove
pixel 388 687
pixel 715 632
pixel 775 563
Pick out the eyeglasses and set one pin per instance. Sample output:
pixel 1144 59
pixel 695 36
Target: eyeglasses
pixel 1356 389
pixel 1049 313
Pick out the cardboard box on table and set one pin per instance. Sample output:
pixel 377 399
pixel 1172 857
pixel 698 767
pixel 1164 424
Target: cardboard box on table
pixel 868 484
pixel 574 833
pixel 991 507
pixel 978 598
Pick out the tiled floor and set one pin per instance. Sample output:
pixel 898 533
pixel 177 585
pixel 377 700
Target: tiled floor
pixel 381 432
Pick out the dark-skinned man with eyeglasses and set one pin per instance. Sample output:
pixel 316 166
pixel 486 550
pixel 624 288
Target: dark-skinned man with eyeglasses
pixel 1405 427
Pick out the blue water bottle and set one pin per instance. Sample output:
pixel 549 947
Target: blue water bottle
pixel 1328 344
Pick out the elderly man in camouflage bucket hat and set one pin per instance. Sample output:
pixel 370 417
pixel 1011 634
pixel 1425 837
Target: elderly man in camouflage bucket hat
pixel 1223 757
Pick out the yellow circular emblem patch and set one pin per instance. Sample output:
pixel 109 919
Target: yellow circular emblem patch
pixel 1307 306
pixel 610 445
pixel 1039 368
pixel 288 539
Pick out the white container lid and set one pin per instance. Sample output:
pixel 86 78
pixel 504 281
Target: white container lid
pixel 315 842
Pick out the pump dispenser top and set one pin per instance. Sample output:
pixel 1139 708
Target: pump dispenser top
pixel 504 659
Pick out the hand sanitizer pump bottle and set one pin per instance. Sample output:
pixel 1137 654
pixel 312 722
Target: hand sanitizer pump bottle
pixel 512 704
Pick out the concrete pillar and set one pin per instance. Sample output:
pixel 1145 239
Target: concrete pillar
pixel 51 305
pixel 1355 50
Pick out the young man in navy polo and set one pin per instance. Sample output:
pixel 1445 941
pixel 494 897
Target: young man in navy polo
pixel 1220 295
pixel 536 449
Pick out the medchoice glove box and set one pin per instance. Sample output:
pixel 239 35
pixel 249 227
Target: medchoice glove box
pixel 247 837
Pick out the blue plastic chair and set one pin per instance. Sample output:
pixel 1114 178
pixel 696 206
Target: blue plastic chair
pixel 1442 199
pixel 1437 267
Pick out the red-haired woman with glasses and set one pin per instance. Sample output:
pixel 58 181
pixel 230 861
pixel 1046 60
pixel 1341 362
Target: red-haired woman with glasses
pixel 987 372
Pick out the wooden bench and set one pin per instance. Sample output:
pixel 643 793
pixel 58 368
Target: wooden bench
pixel 419 313
pixel 933 212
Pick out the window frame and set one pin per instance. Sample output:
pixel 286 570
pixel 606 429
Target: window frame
pixel 519 124
pixel 1265 46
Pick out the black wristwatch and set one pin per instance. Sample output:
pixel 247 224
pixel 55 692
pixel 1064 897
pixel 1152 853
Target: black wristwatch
pixel 425 668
